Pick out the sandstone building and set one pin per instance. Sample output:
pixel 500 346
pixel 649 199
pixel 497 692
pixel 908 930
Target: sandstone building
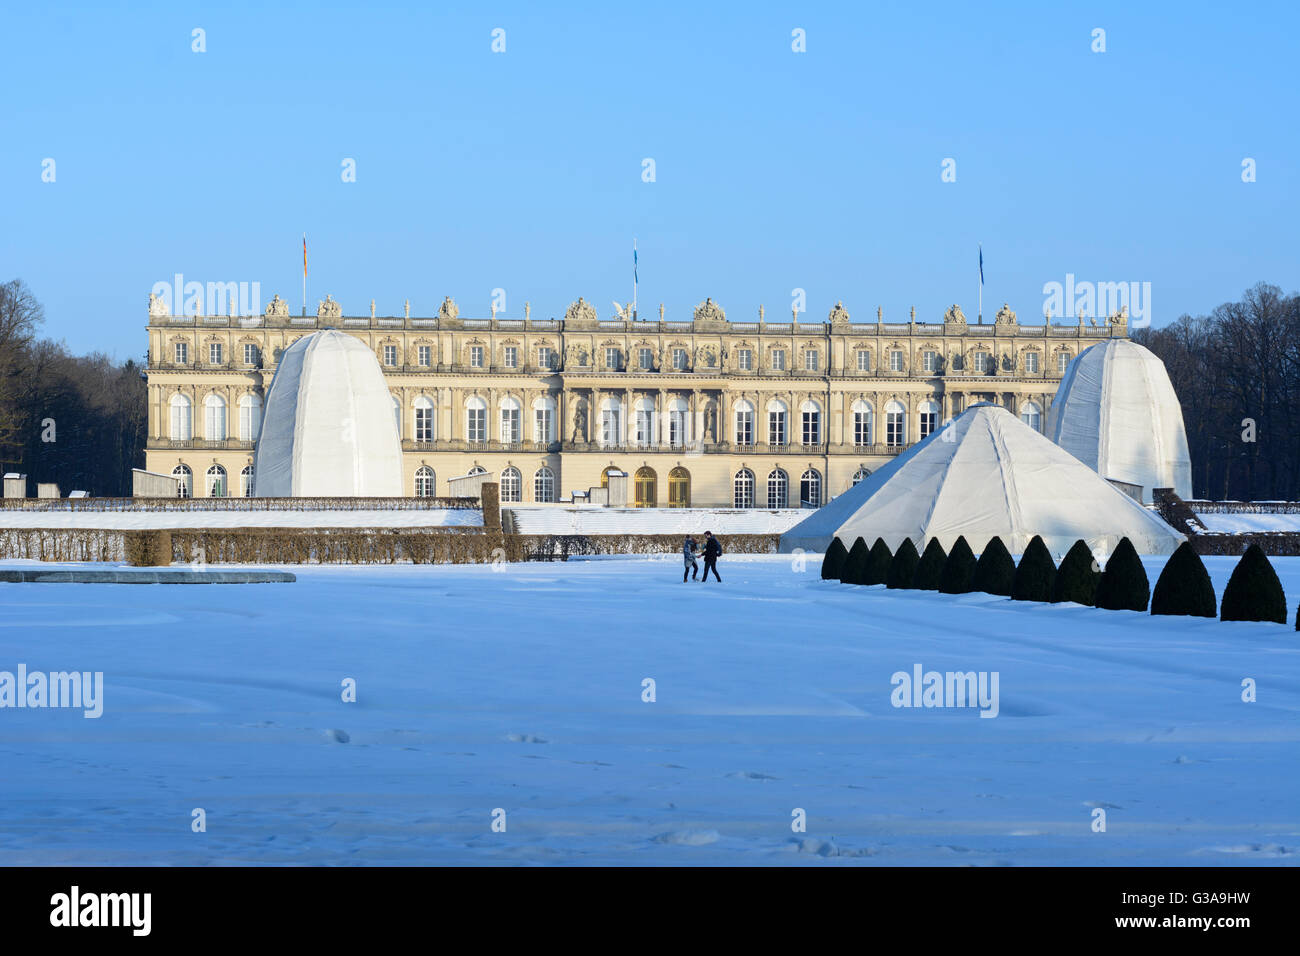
pixel 703 413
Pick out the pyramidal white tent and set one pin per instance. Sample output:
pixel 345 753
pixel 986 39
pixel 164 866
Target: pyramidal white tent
pixel 1115 410
pixel 328 427
pixel 986 473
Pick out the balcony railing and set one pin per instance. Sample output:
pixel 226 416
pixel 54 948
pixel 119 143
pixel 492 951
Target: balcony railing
pixel 200 444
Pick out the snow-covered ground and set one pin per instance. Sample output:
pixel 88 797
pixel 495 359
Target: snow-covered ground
pixel 143 520
pixel 1238 523
pixel 521 689
pixel 597 519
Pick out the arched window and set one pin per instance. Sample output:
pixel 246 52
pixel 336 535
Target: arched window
pixel 604 475
pixel 424 482
pixel 810 489
pixel 778 489
pixel 397 416
pixel 1032 415
pixel 744 431
pixel 250 417
pixel 743 487
pixel 810 422
pixel 475 420
pixel 184 481
pixel 778 423
pixel 678 415
pixel 861 474
pixel 611 422
pixel 477 470
pixel 511 421
pixel 643 422
pixel 246 481
pixel 182 419
pixel 423 409
pixel 644 488
pixel 679 488
pixel 927 418
pixel 544 485
pixel 862 423
pixel 544 420
pixel 511 485
pixel 214 418
pixel 895 424
pixel 217 482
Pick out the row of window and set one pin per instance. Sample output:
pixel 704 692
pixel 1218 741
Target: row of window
pixel 215 484
pixel 982 362
pixel 214 418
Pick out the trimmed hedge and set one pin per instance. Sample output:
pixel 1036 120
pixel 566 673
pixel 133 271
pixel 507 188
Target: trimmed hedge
pixel 958 575
pixel 1123 585
pixel 1253 593
pixel 930 568
pixel 834 560
pixel 1036 574
pixel 903 568
pixel 147 549
pixel 855 565
pixel 995 572
pixel 1076 578
pixel 1184 586
pixel 878 561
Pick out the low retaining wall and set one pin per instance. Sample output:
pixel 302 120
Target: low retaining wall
pixel 179 576
pixel 1273 543
pixel 461 545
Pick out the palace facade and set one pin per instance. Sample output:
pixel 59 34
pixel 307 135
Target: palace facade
pixel 703 413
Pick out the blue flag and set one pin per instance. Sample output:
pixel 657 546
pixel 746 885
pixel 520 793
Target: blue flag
pixel 634 276
pixel 981 264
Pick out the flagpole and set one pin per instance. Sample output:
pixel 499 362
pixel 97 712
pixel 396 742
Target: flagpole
pixel 981 313
pixel 304 273
pixel 634 277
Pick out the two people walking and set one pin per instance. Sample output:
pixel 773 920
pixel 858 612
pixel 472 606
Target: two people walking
pixel 712 549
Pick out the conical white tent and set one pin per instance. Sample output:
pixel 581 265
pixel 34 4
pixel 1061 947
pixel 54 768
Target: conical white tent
pixel 986 473
pixel 1115 410
pixel 329 428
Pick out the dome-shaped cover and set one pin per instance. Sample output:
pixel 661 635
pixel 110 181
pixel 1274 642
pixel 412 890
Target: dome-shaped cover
pixel 1116 411
pixel 328 427
pixel 986 473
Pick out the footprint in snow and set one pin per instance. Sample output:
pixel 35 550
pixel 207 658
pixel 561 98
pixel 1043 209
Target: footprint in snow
pixel 750 775
pixel 687 837
pixel 526 739
pixel 337 736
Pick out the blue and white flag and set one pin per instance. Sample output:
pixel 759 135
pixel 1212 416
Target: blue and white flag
pixel 981 263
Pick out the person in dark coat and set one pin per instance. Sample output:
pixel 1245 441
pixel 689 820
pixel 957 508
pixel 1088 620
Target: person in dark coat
pixel 689 548
pixel 712 549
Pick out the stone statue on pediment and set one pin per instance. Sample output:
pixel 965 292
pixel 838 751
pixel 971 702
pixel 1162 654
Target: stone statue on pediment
pixel 448 309
pixel 329 309
pixel 277 307
pixel 580 311
pixel 1005 316
pixel 709 311
pixel 156 305
pixel 580 421
pixel 839 315
pixel 954 316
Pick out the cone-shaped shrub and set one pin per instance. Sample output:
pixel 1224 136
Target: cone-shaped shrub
pixel 1253 593
pixel 1076 579
pixel 878 562
pixel 833 562
pixel 1123 585
pixel 903 568
pixel 995 572
pixel 930 567
pixel 959 570
pixel 855 564
pixel 1184 586
pixel 1036 574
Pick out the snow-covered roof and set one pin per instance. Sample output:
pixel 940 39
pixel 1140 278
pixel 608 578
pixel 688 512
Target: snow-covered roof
pixel 597 519
pixel 986 473
pixel 328 428
pixel 1116 411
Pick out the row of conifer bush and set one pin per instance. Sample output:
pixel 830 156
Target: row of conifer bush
pixel 1254 592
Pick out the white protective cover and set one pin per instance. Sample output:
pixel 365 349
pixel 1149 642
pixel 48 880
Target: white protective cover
pixel 991 475
pixel 328 427
pixel 1115 410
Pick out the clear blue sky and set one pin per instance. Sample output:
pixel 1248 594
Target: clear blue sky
pixel 522 170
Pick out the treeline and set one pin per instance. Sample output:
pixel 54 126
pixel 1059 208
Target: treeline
pixel 1237 375
pixel 77 420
